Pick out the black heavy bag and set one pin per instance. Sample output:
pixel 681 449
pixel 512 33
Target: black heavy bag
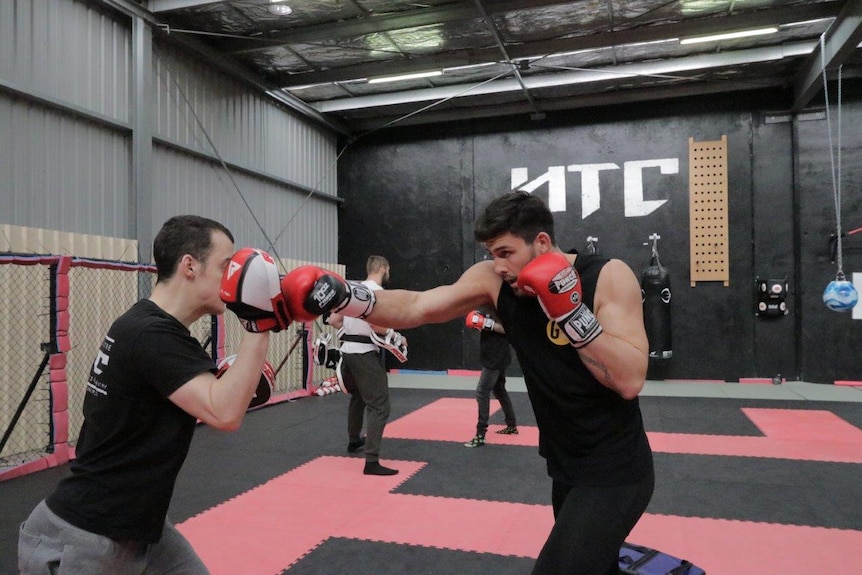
pixel 655 287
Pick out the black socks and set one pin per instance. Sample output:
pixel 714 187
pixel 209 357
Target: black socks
pixel 374 468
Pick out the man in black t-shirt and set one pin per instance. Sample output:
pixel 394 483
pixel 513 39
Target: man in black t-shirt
pixel 149 384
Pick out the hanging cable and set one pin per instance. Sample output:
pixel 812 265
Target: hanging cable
pixel 840 295
pixel 836 176
pixel 216 152
pixel 199 123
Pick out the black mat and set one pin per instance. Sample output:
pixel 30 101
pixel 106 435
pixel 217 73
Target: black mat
pixel 347 556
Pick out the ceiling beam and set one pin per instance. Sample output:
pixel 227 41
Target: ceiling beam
pixel 698 27
pixel 840 41
pixel 560 104
pixel 665 67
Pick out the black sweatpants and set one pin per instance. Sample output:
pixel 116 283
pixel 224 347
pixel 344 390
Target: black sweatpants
pixel 591 524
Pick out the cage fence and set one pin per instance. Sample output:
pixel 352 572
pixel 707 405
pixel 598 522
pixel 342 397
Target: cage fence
pixel 94 294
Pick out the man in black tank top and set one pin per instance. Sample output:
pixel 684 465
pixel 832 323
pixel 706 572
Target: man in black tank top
pixel 576 324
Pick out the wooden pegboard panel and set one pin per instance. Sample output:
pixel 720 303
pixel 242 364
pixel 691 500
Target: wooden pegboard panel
pixel 710 254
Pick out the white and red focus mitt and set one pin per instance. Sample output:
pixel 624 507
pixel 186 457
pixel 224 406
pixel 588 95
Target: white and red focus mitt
pixel 265 386
pixel 325 355
pixel 346 381
pixel 393 342
pixel 251 288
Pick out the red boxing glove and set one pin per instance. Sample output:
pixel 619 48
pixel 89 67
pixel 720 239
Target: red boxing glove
pixel 478 320
pixel 311 291
pixel 554 281
pixel 250 289
pixel 297 286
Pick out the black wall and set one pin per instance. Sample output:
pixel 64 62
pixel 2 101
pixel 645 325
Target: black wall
pixel 412 195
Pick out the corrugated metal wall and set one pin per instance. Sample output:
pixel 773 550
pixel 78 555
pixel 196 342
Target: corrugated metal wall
pixel 69 51
pixel 66 137
pixel 273 165
pixel 59 168
pixel 62 173
pixel 253 208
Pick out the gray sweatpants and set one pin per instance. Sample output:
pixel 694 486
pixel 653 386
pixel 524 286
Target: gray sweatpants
pixel 48 545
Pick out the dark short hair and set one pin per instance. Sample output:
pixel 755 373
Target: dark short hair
pixel 182 235
pixel 375 264
pixel 519 213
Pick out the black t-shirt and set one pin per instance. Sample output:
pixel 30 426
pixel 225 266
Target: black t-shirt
pixel 588 434
pixel 133 440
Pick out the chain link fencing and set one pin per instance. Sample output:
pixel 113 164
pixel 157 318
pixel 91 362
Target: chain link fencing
pixel 54 313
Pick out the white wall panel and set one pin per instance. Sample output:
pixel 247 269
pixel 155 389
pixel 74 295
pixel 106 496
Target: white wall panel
pixel 66 137
pixel 68 50
pixel 195 103
pixel 62 173
pixel 254 209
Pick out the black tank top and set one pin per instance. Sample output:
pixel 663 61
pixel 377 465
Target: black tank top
pixel 588 434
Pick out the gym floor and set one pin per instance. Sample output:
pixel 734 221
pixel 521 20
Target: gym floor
pixel 750 478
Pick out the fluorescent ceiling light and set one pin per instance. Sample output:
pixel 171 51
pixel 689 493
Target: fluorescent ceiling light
pixel 729 35
pixel 382 79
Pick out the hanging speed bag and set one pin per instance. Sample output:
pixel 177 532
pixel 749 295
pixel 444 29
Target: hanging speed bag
pixel 655 287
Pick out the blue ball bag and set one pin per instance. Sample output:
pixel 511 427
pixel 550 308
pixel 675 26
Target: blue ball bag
pixel 840 295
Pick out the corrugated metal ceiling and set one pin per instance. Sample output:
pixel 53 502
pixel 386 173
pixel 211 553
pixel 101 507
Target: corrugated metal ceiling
pixel 503 57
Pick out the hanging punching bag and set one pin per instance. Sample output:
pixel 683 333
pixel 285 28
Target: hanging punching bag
pixel 655 287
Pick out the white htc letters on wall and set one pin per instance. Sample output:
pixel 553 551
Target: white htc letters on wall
pixel 633 190
pixel 635 204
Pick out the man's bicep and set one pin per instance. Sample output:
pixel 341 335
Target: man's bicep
pixel 195 396
pixel 620 307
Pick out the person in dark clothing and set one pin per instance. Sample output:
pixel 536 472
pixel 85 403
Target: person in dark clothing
pixel 150 383
pixel 495 356
pixel 576 324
